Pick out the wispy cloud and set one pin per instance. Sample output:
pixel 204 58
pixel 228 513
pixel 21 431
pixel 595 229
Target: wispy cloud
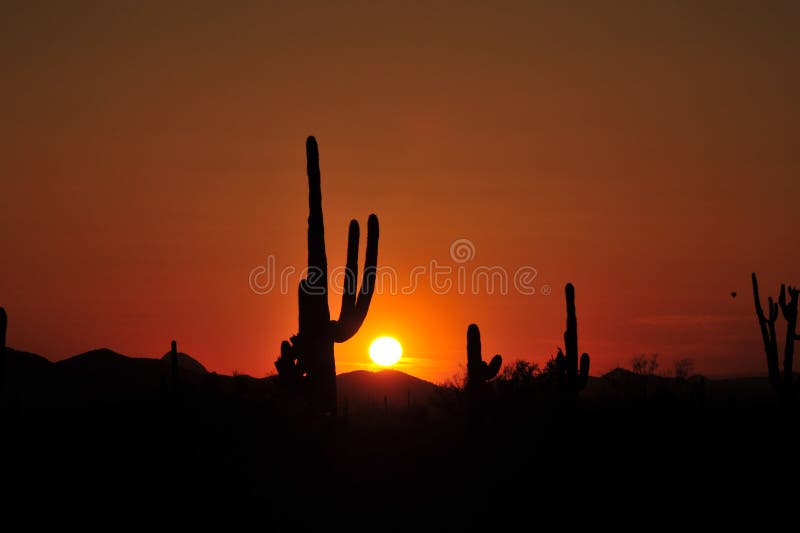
pixel 687 320
pixel 405 364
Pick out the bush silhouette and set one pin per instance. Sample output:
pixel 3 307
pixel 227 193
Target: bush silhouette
pixel 643 365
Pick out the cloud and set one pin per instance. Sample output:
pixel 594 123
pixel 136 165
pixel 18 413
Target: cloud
pixel 405 364
pixel 687 320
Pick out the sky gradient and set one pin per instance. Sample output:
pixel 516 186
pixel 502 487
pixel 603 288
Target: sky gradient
pixel 152 156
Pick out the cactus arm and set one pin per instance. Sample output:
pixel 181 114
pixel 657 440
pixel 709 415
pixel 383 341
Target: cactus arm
pixel 284 362
pixel 370 267
pixel 767 326
pixel 583 376
pixel 494 366
pixel 788 353
pixel 789 310
pixel 354 311
pixel 288 366
pixel 772 355
pixel 757 299
pixel 350 284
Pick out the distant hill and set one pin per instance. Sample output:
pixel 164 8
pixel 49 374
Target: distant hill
pixel 95 378
pixel 30 379
pixel 112 365
pixel 620 383
pixel 102 376
pixel 186 362
pixel 363 388
pixel 17 362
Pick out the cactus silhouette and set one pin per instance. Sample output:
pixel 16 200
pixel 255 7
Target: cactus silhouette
pixel 783 385
pixel 173 360
pixel 478 371
pixel 571 377
pixel 308 358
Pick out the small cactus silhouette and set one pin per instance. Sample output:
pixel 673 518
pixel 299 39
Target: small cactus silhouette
pixel 570 376
pixel 478 371
pixel 308 357
pixel 784 385
pixel 173 359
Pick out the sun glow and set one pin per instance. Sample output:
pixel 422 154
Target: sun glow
pixel 385 351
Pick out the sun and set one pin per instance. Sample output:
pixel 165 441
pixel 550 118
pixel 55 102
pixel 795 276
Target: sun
pixel 385 351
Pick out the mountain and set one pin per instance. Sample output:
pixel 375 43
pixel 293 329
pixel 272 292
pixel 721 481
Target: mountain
pixel 186 362
pixel 30 380
pixel 362 388
pixel 122 370
pixel 109 371
pixel 102 376
pixel 23 363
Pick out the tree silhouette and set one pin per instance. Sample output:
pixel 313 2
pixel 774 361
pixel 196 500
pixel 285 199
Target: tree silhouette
pixel 645 366
pixel 683 368
pixel 308 357
pixel 784 385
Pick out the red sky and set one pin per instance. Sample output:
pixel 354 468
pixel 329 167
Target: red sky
pixel 152 156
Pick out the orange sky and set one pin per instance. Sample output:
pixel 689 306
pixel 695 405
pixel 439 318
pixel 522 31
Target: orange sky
pixel 151 157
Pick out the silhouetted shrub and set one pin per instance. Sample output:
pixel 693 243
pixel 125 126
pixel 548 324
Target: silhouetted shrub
pixel 644 365
pixel 683 368
pixel 520 371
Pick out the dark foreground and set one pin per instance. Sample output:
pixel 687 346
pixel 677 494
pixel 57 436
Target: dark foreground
pixel 228 452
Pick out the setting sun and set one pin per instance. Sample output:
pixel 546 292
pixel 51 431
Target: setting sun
pixel 385 351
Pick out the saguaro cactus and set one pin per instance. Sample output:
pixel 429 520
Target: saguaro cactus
pixel 783 385
pixel 173 360
pixel 478 371
pixel 308 358
pixel 572 377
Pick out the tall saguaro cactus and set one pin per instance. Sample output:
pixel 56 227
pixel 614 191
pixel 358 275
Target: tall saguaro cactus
pixel 573 377
pixel 783 385
pixel 478 371
pixel 308 358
